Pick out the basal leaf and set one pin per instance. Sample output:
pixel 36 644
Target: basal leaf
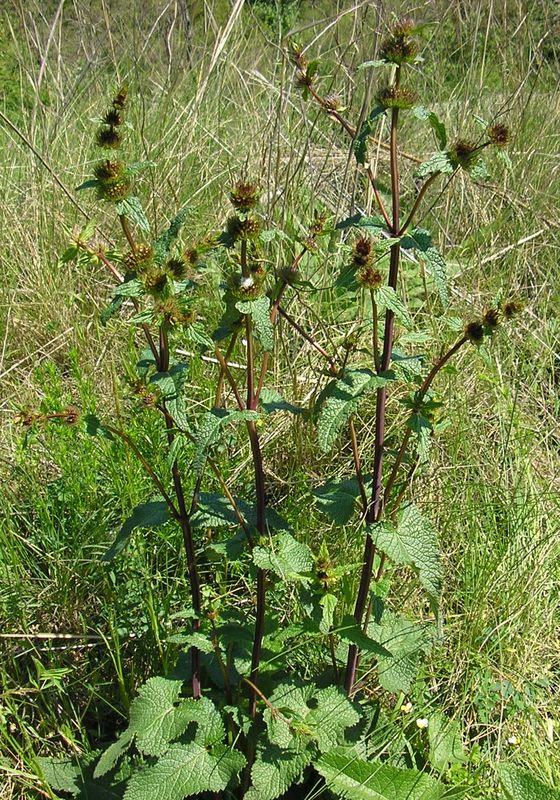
pixel 113 753
pixel 340 400
pixel 145 515
pixel 357 779
pixel 186 770
pixel 259 310
pixel 518 784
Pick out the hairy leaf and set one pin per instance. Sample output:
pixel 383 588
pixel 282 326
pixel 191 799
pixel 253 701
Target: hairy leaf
pixel 209 431
pixel 352 633
pixel 438 162
pixel 357 779
pixel 521 785
pixel 275 770
pixel 186 770
pixel 436 124
pixel 421 241
pixel 145 515
pixel 340 400
pixel 287 557
pixel 407 642
pixel 74 777
pixel 259 310
pixel 360 143
pixel 337 499
pixel 272 401
pixel 131 208
pixel 374 224
pixel 328 603
pixel 113 753
pixel 196 334
pixel 137 167
pixel 386 297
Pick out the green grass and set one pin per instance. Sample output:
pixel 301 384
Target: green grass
pixel 493 486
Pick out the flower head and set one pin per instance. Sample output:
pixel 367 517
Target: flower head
pixel 397 97
pixel 499 135
pixel 244 196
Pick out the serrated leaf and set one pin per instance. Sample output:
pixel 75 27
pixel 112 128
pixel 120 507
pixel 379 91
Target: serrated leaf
pixel 130 288
pixel 362 221
pixel 437 162
pixel 360 143
pixel 93 426
pixel 423 428
pixel 137 167
pixel 352 633
pixel 287 557
pixel 340 400
pixel 328 603
pixel 357 779
pixel 259 311
pixel 143 317
pixel 518 784
pixel 131 208
pixel 272 401
pixel 479 171
pixel 196 334
pixel 275 770
pixel 407 642
pixel 337 499
pixel 413 542
pixel 421 240
pixel 377 63
pixel 69 254
pixel 446 744
pixel 184 771
pixel 436 124
pixel 209 431
pixel 113 753
pixel 74 777
pixel 145 515
pixel 110 310
pixel 386 297
pixel 163 243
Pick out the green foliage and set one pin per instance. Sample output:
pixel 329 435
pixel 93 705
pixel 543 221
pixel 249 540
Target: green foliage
pixel 259 311
pixel 131 208
pixel 518 784
pixel 146 515
pixel 286 557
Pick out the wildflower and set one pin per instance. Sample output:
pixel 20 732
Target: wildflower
pixel 176 267
pixel 155 281
pixel 370 277
pixel 491 319
pixel 120 99
pixel 511 308
pixel 244 196
pixel 406 708
pixel 71 415
pixel 332 103
pixel 108 138
pixel 464 153
pixel 108 170
pixel 398 47
pixel 512 740
pixel 113 117
pixel 362 252
pixel 246 287
pixel 116 190
pixel 422 723
pixel 243 228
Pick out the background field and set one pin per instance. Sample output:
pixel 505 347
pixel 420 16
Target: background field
pixel 212 95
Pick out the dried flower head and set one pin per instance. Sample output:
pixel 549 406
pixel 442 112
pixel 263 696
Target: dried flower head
pixel 71 415
pixel 370 277
pixel 474 331
pixel 511 308
pixel 399 47
pixel 113 117
pixel 243 228
pixel 333 102
pixel 174 312
pixel 464 153
pixel 115 190
pixel 155 280
pixel 404 27
pixel 140 259
pixel 108 138
pixel 246 287
pixel 176 267
pixel 499 135
pixel 491 319
pixel 319 220
pixel 121 97
pixel 397 97
pixel 244 196
pixel 108 170
pixel 362 252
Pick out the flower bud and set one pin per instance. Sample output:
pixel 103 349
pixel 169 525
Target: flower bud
pixel 108 138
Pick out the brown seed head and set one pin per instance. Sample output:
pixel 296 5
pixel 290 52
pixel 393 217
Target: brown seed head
pixel 464 153
pixel 362 252
pixel 116 190
pixel 332 103
pixel 474 331
pixel 491 318
pixel 154 280
pixel 318 223
pixel 370 277
pixel 120 99
pixel 511 308
pixel 499 135
pixel 107 170
pixel 398 48
pixel 397 97
pixel 244 196
pixel 404 27
pixel 243 228
pixel 113 117
pixel 108 138
pixel 71 415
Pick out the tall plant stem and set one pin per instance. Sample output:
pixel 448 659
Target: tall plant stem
pixel 421 193
pixel 185 523
pixel 375 506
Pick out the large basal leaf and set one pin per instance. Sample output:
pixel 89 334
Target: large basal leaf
pixel 113 753
pixel 407 643
pixel 74 777
pixel 259 311
pixel 186 770
pixel 421 241
pixel 340 400
pixel 414 542
pixel 275 770
pixel 145 515
pixel 518 784
pixel 131 208
pixel 287 557
pixel 154 717
pixel 357 779
pixel 337 499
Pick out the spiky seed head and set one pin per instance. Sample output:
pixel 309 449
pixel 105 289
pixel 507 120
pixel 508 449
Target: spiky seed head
pixel 26 417
pixel 176 267
pixel 362 251
pixel 499 135
pixel 404 27
pixel 246 287
pixel 108 138
pixel 398 48
pixel 397 97
pixel 107 170
pixel 155 281
pixel 464 153
pixel 491 319
pixel 511 308
pixel 474 331
pixel 333 103
pixel 71 415
pixel 116 190
pixel 303 80
pixel 174 312
pixel 369 277
pixel 121 97
pixel 113 117
pixel 248 228
pixel 244 196
pixel 319 220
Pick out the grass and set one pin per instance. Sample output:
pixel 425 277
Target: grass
pixel 206 108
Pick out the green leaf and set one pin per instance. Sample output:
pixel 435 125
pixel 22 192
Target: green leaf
pixel 352 633
pixel 143 317
pixel 407 642
pixel 479 171
pixel 340 400
pixel 423 428
pixel 287 557
pixel 386 297
pixel 259 310
pixel 521 785
pixel 377 63
pixel 184 771
pixel 130 288
pixel 137 167
pixel 446 744
pixel 357 779
pixel 436 124
pixel 91 183
pixel 360 143
pixel 110 310
pixel 74 777
pixel 93 426
pixel 209 431
pixel 437 162
pixel 337 499
pixel 362 221
pixel 145 515
pixel 196 334
pixel 328 603
pixel 413 542
pixel 272 401
pixel 275 770
pixel 164 243
pixel 421 240
pixel 131 208
pixel 113 753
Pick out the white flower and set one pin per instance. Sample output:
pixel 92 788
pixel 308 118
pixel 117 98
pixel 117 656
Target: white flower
pixel 512 739
pixel 406 708
pixel 422 723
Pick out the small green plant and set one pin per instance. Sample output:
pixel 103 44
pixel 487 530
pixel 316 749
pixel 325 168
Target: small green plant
pixel 295 666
